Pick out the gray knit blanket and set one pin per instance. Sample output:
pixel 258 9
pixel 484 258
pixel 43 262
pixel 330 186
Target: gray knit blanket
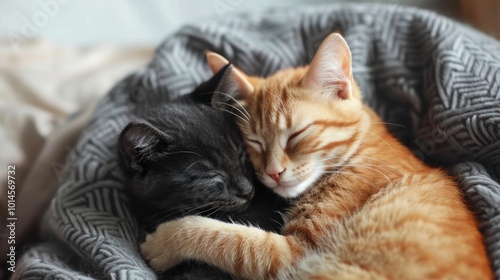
pixel 438 80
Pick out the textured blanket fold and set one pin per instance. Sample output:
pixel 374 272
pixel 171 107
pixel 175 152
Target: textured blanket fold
pixel 435 81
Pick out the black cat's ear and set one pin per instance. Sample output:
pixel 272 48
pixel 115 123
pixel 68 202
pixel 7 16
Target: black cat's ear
pixel 204 92
pixel 140 142
pixel 233 83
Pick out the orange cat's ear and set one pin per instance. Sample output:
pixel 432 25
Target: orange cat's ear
pixel 235 83
pixel 330 70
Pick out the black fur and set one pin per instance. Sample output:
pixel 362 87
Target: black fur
pixel 188 158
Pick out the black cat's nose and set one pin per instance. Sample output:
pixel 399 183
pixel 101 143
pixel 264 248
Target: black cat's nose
pixel 244 189
pixel 246 194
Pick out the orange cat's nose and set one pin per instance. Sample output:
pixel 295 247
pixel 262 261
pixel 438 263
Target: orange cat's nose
pixel 276 177
pixel 275 171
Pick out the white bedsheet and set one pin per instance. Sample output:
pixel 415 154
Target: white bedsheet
pixel 41 84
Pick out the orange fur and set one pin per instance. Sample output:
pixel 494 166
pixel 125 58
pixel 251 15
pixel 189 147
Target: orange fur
pixel 375 211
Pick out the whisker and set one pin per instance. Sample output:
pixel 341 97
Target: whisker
pixel 363 165
pixel 179 211
pixel 208 204
pixel 236 115
pixel 378 171
pixel 388 123
pixel 370 158
pixel 213 212
pixel 277 222
pixel 360 165
pixel 183 152
pixel 359 175
pixel 234 107
pixel 380 139
pixel 202 213
pixel 284 217
pixel 363 157
pixel 237 102
pixel 191 166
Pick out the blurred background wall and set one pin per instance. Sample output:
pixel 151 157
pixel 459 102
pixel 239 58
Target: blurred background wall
pixel 143 22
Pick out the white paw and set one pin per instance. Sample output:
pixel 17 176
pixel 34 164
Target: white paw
pixel 160 250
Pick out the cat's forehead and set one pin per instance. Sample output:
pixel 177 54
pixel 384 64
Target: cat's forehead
pixel 288 77
pixel 276 116
pixel 274 101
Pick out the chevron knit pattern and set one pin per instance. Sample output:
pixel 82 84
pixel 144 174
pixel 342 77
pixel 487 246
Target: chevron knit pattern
pixel 438 79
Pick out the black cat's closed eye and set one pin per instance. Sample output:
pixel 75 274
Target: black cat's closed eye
pixel 244 158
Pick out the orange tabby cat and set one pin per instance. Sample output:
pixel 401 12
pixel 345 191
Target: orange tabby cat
pixel 366 207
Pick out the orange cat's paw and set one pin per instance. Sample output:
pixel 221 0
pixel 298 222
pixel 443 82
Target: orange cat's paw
pixel 159 250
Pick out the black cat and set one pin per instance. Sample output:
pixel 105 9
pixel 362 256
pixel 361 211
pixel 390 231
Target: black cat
pixel 187 157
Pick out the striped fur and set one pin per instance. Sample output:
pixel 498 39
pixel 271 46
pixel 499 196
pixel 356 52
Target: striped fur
pixel 366 207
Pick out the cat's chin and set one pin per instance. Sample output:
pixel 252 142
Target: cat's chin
pixel 286 192
pixel 293 190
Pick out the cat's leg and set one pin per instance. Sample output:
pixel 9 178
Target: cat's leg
pixel 243 251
